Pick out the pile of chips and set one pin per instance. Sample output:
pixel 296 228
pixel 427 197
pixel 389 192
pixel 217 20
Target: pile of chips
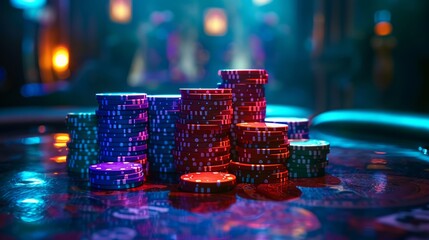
pixel 248 94
pixel 207 182
pixel 298 127
pixel 308 158
pixel 262 153
pixel 202 132
pixel 122 127
pixel 83 147
pixel 116 175
pixel 163 115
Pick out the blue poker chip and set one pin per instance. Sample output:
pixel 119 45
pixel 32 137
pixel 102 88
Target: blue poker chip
pixel 123 96
pixel 122 102
pixel 130 121
pixel 116 187
pixel 122 149
pixel 115 140
pixel 142 115
pixel 164 112
pixel 134 113
pixel 78 116
pixel 164 97
pixel 128 107
pixel 104 158
pixel 122 144
pixel 103 126
pixel 102 130
pixel 121 153
pixel 161 108
pixel 122 135
pixel 162 125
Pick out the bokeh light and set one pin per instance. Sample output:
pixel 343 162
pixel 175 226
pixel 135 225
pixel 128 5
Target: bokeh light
pixel 215 22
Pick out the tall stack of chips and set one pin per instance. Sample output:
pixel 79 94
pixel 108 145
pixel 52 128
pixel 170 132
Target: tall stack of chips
pixel 83 147
pixel 202 131
pixel 116 175
pixel 248 93
pixel 308 158
pixel 163 114
pixel 122 127
pixel 262 153
pixel 298 127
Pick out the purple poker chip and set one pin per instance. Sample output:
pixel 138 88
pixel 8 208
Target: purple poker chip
pixel 115 168
pixel 116 177
pixel 116 181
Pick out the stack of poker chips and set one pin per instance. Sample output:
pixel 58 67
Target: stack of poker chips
pixel 163 114
pixel 298 127
pixel 262 153
pixel 308 158
pixel 202 131
pixel 248 93
pixel 83 147
pixel 122 127
pixel 207 182
pixel 116 175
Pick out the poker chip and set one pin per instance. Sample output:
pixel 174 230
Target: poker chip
pixel 115 168
pixel 197 103
pixel 83 144
pixel 204 91
pixel 308 158
pixel 260 126
pixel 122 127
pixel 207 182
pixel 298 127
pixel 163 114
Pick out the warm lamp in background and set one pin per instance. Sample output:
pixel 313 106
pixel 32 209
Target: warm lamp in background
pixel 215 22
pixel 120 10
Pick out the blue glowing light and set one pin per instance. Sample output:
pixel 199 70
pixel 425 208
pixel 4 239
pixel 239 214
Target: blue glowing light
pixel 25 4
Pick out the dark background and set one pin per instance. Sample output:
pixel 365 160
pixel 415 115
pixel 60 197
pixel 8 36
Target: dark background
pixel 321 54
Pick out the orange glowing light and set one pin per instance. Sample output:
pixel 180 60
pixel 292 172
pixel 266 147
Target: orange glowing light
pixel 61 137
pixel 215 22
pixel 120 11
pixel 59 159
pixel 60 59
pixel 383 28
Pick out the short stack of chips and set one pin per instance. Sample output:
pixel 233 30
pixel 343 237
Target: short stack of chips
pixel 262 153
pixel 116 175
pixel 207 182
pixel 202 131
pixel 83 147
pixel 122 127
pixel 248 93
pixel 298 127
pixel 163 114
pixel 308 158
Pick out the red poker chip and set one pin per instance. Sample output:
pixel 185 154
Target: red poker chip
pixel 241 86
pixel 257 168
pixel 205 107
pixel 233 76
pixel 218 144
pixel 262 103
pixel 205 90
pixel 207 182
pixel 279 144
pixel 197 155
pixel 248 99
pixel 257 126
pixel 249 117
pixel 248 95
pixel 261 151
pixel 262 80
pixel 206 102
pixel 204 127
pixel 205 132
pixel 217 122
pixel 201 96
pixel 207 112
pixel 199 163
pixel 191 158
pixel 256 139
pixel 254 90
pixel 208 117
pixel 244 177
pixel 262 134
pixel 213 168
pixel 198 139
pixel 254 160
pixel 242 71
pixel 273 156
pixel 250 108
pixel 191 135
pixel 203 149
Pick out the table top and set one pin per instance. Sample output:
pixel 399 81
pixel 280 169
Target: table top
pixel 373 189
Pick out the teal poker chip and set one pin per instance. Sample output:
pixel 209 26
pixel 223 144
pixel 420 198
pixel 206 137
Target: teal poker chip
pixel 308 144
pixel 120 96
